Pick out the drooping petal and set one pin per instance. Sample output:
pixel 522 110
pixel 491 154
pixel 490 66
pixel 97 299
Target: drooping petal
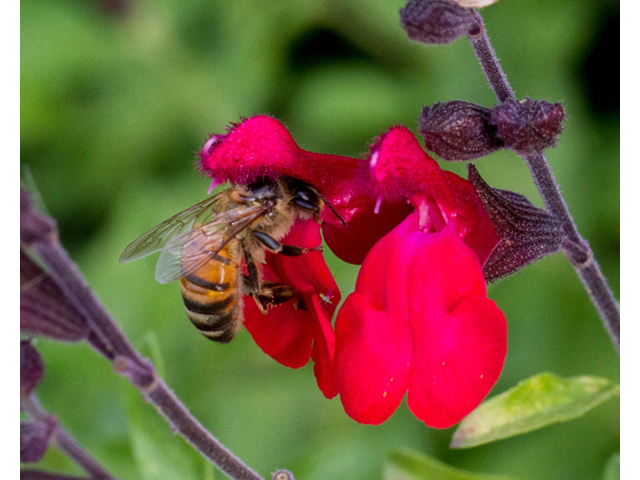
pixel 323 351
pixel 373 341
pixel 459 336
pixel 373 355
pixel 299 328
pixel 261 147
pixel 284 333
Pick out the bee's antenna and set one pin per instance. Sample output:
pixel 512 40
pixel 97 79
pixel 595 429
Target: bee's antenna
pixel 344 224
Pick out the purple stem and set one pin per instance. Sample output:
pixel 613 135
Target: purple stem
pixel 64 441
pixel 110 341
pixel 576 249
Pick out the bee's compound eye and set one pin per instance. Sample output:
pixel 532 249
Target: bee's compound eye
pixel 307 195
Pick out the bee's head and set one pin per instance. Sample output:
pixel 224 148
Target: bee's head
pixel 262 190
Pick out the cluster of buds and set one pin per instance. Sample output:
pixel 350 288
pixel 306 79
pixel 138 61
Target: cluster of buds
pixel 460 130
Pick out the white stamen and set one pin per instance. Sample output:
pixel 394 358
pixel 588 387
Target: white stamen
pixel 379 200
pixel 374 160
pixel 207 145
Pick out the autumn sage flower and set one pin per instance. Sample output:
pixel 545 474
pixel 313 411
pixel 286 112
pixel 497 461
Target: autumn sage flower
pixel 419 320
pixel 260 147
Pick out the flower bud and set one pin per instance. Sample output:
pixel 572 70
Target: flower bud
pixel 31 368
pixel 529 125
pixel 33 225
pixel 435 21
pixel 527 233
pixel 34 439
pixel 44 309
pixel 458 130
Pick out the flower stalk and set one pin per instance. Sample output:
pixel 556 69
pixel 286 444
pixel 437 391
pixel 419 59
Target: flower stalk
pixel 589 271
pixel 64 440
pixel 107 338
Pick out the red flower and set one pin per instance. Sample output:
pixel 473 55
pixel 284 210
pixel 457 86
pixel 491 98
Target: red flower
pixel 301 328
pixel 419 319
pixel 297 329
pixel 261 147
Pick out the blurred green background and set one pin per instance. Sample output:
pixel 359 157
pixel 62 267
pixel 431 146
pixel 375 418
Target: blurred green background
pixel 116 98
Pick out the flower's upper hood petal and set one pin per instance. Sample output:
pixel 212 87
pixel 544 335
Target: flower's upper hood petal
pixel 400 168
pixel 261 147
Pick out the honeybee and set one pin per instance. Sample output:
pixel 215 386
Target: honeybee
pixel 204 247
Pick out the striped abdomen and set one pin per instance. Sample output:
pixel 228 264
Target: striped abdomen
pixel 212 297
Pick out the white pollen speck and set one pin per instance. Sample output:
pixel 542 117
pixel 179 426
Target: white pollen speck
pixel 374 160
pixel 379 200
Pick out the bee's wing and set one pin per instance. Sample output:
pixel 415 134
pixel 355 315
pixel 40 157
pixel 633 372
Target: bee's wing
pixel 156 238
pixel 186 253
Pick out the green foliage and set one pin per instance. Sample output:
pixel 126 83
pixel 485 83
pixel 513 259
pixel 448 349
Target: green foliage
pixel 407 465
pixel 532 404
pixel 113 109
pixel 612 468
pixel 159 454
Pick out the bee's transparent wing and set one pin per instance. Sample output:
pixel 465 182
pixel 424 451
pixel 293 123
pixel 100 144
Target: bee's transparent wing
pixel 156 238
pixel 186 253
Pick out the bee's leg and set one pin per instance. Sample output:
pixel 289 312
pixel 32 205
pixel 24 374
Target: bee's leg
pixel 254 280
pixel 276 247
pixel 269 294
pixel 273 294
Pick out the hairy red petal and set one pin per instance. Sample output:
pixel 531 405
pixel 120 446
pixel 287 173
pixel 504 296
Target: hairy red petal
pixel 459 336
pixel 261 147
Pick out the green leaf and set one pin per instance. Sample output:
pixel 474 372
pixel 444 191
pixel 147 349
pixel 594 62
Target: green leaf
pixel 534 403
pixel 408 465
pixel 612 468
pixel 159 454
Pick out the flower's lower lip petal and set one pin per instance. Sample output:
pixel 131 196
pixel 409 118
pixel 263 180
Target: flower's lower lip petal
pixel 459 336
pixel 373 356
pixel 458 358
pixel 284 333
pixel 323 351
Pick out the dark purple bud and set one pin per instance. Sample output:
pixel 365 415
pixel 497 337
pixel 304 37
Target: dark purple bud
pixel 34 439
pixel 435 21
pixel 31 368
pixel 529 125
pixel 527 233
pixel 33 225
pixel 44 309
pixel 458 130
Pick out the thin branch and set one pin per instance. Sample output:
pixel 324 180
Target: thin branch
pixel 108 339
pixel 64 440
pixel 589 271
